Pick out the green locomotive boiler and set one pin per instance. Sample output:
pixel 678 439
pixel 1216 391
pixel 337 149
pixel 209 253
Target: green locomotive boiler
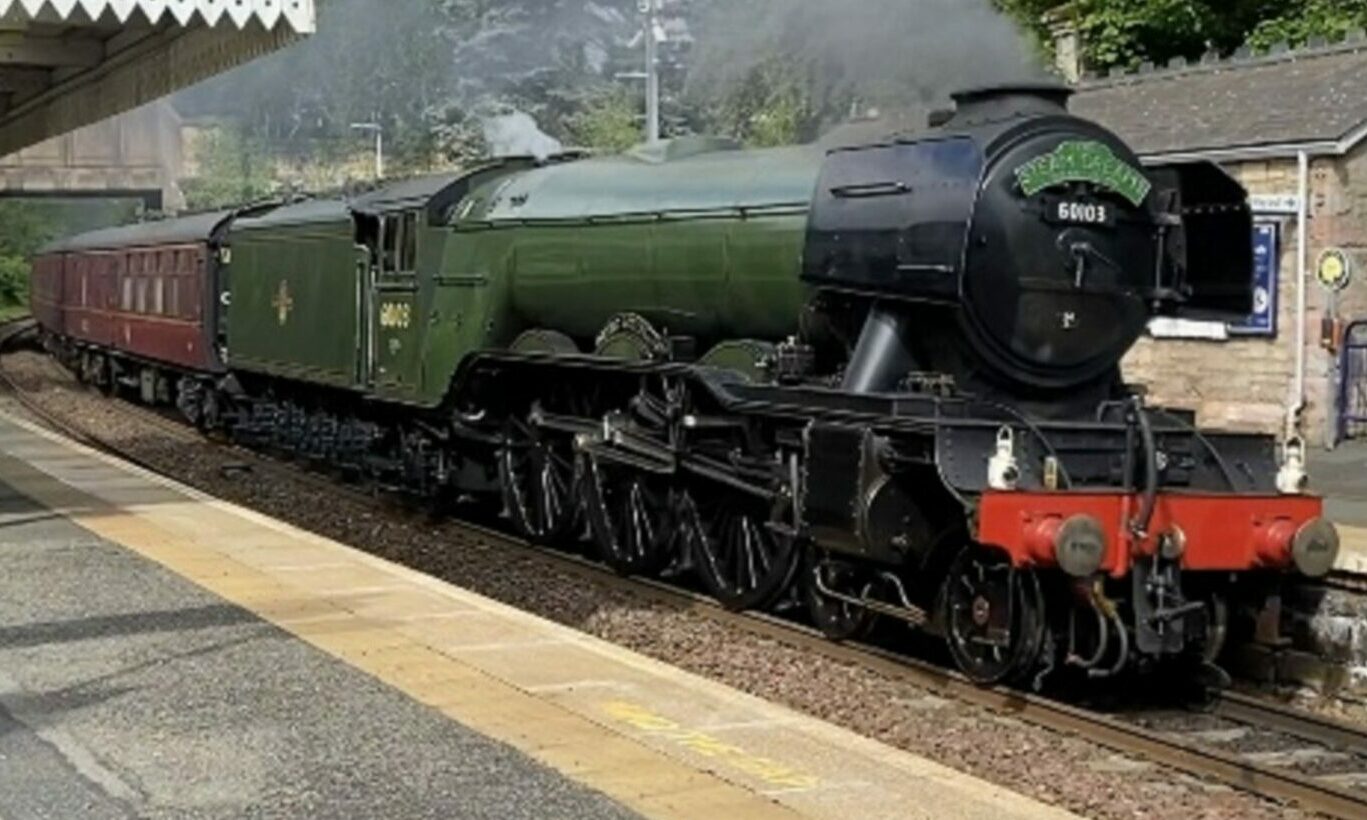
pixel 387 295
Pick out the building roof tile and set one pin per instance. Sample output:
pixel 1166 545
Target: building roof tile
pixel 1285 99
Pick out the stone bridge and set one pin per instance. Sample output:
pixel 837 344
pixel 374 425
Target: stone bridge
pixel 136 155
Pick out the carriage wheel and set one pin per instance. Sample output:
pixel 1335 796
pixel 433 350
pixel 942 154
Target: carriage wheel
pixel 537 476
pixel 740 560
pixel 838 620
pixel 993 616
pixel 629 517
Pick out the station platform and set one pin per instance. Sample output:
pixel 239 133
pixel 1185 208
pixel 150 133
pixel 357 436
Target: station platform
pixel 166 654
pixel 1340 475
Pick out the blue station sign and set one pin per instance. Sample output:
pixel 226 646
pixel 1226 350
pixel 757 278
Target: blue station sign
pixel 1266 269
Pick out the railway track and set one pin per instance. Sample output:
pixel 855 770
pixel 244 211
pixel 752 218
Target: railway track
pixel 1275 751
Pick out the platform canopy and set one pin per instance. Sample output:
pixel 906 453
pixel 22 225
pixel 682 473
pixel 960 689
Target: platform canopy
pixel 69 63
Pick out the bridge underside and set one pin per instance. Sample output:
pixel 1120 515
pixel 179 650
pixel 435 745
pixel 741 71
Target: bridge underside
pixel 136 155
pixel 65 64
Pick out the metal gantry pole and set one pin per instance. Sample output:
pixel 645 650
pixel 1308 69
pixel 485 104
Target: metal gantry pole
pixel 378 130
pixel 379 153
pixel 652 12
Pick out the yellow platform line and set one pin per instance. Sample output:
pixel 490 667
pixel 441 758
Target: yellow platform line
pixel 397 625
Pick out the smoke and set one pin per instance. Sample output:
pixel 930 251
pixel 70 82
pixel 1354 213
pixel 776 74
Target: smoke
pixel 516 134
pixel 885 53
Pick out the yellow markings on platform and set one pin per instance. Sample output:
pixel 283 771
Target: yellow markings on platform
pixel 766 769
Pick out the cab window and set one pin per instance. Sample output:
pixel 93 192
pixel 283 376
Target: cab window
pixel 399 244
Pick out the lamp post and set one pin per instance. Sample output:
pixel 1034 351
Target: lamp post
pixel 378 130
pixel 652 35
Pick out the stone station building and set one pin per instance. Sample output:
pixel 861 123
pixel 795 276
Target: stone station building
pixel 1292 126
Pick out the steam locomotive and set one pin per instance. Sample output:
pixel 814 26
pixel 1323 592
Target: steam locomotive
pixel 881 382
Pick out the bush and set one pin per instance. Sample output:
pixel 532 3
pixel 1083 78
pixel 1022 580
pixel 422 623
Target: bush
pixel 13 280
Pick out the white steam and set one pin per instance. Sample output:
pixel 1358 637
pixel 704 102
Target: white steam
pixel 516 134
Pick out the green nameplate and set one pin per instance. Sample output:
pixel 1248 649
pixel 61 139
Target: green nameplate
pixel 1084 161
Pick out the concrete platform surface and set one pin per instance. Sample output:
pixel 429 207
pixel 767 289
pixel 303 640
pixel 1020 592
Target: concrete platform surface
pixel 163 653
pixel 1340 475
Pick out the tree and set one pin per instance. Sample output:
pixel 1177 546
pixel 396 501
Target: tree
pixel 767 70
pixel 1126 33
pixel 1332 19
pixel 233 170
pixel 610 123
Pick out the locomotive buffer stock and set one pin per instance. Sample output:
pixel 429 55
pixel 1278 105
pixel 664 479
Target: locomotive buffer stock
pixel 165 651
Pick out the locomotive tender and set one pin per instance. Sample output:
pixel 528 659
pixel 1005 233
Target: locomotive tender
pixel 881 380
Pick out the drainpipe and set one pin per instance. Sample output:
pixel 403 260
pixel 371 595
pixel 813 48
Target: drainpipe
pixel 1297 398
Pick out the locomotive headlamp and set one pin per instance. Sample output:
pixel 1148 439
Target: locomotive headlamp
pixel 1080 546
pixel 1315 547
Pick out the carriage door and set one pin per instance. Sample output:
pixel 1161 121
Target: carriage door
pixel 393 310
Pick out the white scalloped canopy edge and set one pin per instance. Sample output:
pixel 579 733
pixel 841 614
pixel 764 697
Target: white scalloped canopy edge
pixel 298 14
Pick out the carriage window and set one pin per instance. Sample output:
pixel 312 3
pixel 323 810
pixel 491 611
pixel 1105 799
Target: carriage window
pixel 174 308
pixel 159 296
pixel 142 296
pixel 127 303
pixel 85 291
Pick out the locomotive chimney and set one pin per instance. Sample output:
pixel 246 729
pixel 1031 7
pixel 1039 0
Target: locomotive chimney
pixel 979 105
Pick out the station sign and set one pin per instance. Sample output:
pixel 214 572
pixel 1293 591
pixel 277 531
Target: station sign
pixel 1266 267
pixel 1334 270
pixel 1275 204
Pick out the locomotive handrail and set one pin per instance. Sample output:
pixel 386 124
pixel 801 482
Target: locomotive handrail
pixel 632 217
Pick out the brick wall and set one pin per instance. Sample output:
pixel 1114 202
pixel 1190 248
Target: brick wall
pixel 1244 384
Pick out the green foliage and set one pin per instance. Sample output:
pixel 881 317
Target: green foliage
pixel 13 280
pixel 1128 32
pixel 233 170
pixel 1331 19
pixel 771 71
pixel 768 106
pixel 609 123
pixel 24 227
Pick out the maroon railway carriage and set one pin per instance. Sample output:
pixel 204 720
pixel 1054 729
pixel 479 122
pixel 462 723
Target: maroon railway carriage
pixel 111 300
